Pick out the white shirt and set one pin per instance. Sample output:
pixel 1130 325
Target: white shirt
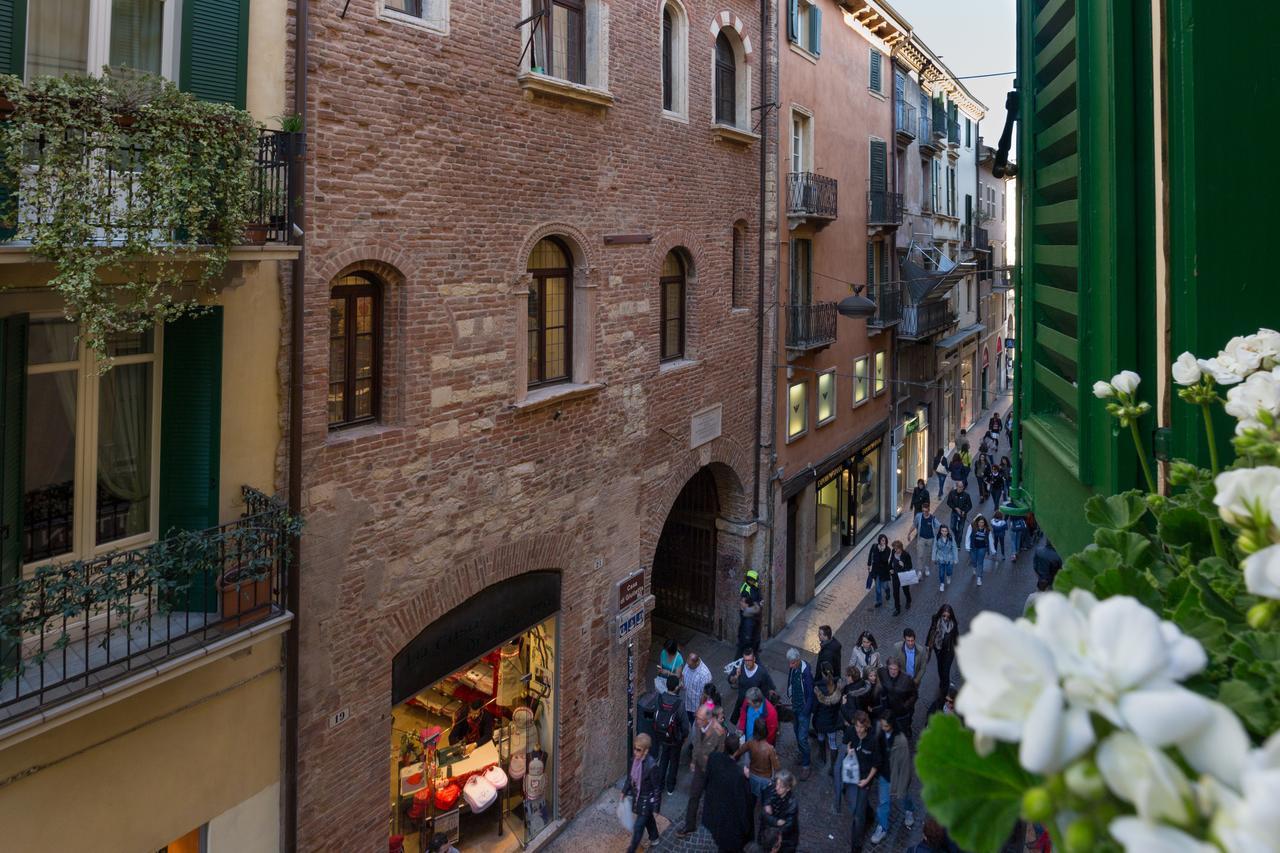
pixel 694 681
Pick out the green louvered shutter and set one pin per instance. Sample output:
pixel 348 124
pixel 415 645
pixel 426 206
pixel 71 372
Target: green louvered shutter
pixel 884 263
pixel 13 30
pixel 191 433
pixel 793 21
pixel 13 395
pixel 871 265
pixel 878 158
pixel 215 47
pixel 815 30
pixel 874 83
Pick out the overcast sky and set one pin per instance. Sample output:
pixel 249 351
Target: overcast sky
pixel 972 37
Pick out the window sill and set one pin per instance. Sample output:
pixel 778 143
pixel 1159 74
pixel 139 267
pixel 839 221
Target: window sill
pixel 803 52
pixel 827 422
pixel 791 439
pixel 877 95
pixel 734 135
pixel 670 115
pixel 542 85
pixel 677 364
pixel 440 28
pixel 741 311
pixel 552 394
pixel 348 435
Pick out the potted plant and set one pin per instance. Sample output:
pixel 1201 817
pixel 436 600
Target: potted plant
pixel 292 126
pixel 245 593
pixel 127 92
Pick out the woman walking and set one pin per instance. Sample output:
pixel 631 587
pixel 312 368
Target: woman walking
pixel 781 812
pixel 942 466
pixel 943 631
pixel 878 567
pixel 977 541
pixel 999 526
pixel 944 556
pixel 896 781
pixel 899 564
pixel 826 713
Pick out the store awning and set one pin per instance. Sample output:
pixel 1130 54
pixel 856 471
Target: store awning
pixel 959 337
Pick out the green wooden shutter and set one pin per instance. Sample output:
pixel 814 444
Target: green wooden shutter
pixel 875 70
pixel 13 395
pixel 878 158
pixel 884 262
pixel 13 31
pixel 793 21
pixel 215 47
pixel 815 30
pixel 871 264
pixel 191 433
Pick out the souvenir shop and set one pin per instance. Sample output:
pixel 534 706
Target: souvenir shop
pixel 847 508
pixel 473 737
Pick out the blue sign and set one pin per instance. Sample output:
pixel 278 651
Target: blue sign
pixel 1008 343
pixel 629 623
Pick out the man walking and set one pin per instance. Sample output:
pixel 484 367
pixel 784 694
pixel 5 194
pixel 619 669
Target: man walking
pixel 926 528
pixel 913 660
pixel 961 505
pixel 919 496
pixel 696 677
pixel 707 738
pixel 749 674
pixel 829 650
pixel 800 692
pixel 670 726
pixel 750 607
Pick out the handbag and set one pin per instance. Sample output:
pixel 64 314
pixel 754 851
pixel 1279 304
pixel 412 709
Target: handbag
pixel 495 777
pixel 479 794
pixel 908 578
pixel 447 796
pixel 515 767
pixel 868 577
pixel 941 470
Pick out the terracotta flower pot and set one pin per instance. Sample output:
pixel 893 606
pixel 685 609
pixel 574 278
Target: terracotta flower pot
pixel 256 235
pixel 244 601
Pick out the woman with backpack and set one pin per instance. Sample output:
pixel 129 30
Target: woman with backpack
pixel 977 541
pixel 944 556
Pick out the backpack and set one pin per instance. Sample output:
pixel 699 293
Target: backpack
pixel 666 723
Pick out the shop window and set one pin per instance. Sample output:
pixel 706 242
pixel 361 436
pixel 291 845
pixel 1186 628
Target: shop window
pixel 355 350
pixel 866 490
pixel 496 710
pixel 797 411
pixel 92 459
pixel 672 313
pixel 826 397
pixel 827 523
pixel 881 380
pixel 860 380
pixel 550 313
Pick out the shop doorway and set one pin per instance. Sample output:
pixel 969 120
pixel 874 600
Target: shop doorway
pixel 684 564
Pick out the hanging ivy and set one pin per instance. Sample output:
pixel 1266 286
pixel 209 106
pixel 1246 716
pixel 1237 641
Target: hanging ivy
pixel 125 179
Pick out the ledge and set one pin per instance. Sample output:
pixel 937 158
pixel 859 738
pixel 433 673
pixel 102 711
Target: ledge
pixel 353 434
pixel 733 135
pixel 16 253
pixel 535 84
pixel 552 394
pixel 677 364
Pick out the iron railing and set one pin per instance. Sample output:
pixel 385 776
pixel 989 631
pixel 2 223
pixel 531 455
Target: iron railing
pixel 953 131
pixel 939 118
pixel 117 169
pixel 888 300
pixel 925 132
pixel 811 195
pixel 884 208
pixel 905 120
pixel 922 320
pixel 68 628
pixel 811 326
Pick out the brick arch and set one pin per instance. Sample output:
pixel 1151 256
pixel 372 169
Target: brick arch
pixel 506 561
pixel 731 465
pixel 388 263
pixel 584 255
pixel 692 243
pixel 728 20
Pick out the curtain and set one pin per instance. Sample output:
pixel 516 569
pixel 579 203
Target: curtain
pixel 137 34
pixel 124 442
pixel 57 37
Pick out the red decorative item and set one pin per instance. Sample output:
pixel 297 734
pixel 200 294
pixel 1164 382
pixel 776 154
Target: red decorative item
pixel 395 844
pixel 447 796
pixel 414 779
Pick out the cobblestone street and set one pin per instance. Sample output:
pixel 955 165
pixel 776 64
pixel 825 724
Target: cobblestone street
pixel 848 606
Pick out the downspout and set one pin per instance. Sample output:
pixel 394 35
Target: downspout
pixel 297 184
pixel 763 500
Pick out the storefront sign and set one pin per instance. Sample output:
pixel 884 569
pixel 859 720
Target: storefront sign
pixel 483 622
pixel 630 589
pixel 704 426
pixel 910 425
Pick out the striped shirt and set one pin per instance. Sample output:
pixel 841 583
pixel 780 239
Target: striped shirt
pixel 694 681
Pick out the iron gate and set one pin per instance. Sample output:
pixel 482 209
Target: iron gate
pixel 684 565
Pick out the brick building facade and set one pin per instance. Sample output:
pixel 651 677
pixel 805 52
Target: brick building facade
pixel 440 155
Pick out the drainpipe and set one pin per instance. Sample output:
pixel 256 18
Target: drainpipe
pixel 297 185
pixel 756 494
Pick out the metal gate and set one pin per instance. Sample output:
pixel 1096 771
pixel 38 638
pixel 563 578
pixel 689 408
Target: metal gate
pixel 684 565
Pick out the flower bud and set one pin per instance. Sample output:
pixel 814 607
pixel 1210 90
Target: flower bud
pixel 1037 805
pixel 1260 615
pixel 1084 780
pixel 1080 837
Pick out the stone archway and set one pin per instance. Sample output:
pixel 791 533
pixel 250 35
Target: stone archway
pixel 684 563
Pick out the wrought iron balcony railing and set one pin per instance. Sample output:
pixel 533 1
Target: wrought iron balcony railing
pixel 811 196
pixel 939 118
pixel 884 208
pixel 953 132
pixel 69 628
pixel 271 207
pixel 923 320
pixel 811 326
pixel 905 121
pixel 888 300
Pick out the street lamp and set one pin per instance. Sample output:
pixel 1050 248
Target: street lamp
pixel 856 306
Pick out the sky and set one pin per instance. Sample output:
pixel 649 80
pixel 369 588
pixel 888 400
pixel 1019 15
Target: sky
pixel 971 37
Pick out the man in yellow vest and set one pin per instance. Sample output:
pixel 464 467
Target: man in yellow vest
pixel 749 610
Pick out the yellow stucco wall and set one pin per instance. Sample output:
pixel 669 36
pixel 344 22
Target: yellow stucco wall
pixel 265 92
pixel 140 772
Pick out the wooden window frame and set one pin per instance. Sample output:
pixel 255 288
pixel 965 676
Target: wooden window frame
pixel 668 59
pixel 349 293
pixel 578 7
pixel 665 282
pixel 721 98
pixel 538 283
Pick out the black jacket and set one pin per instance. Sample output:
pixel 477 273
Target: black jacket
pixel 919 497
pixel 899 693
pixel 851 698
pixel 832 653
pixel 960 501
pixel 878 562
pixel 826 718
pixel 868 749
pixel 900 563
pixel 1046 562
pixel 784 816
pixel 649 798
pixel 727 803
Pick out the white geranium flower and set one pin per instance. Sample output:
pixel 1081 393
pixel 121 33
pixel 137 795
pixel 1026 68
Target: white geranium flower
pixel 1244 352
pixel 1223 369
pixel 1011 693
pixel 1267 342
pixel 1207 733
pixel 1126 381
pixel 1262 568
pixel 1138 836
pixel 1103 390
pixel 1145 777
pixel 1259 393
pixel 1186 371
pixel 1241 491
pixel 1251 822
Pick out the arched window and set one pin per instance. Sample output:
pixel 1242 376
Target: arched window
pixel 672 311
pixel 726 81
pixel 668 83
pixel 355 347
pixel 550 313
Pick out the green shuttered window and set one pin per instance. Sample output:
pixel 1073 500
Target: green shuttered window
pixel 215 45
pixel 874 82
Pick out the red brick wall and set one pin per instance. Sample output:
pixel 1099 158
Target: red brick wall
pixel 428 167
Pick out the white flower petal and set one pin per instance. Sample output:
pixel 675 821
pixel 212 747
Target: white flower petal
pixel 1239 491
pixel 1186 655
pixel 1103 390
pixel 1138 836
pixel 1219 748
pixel 1185 370
pixel 1165 715
pixel 1124 637
pixel 1126 381
pixel 1054 736
pixel 1262 572
pixel 1145 777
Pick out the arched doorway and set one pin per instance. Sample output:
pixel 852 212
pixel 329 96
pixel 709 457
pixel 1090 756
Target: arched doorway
pixel 684 564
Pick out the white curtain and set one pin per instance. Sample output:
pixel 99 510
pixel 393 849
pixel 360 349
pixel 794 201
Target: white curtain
pixel 124 440
pixel 137 34
pixel 57 37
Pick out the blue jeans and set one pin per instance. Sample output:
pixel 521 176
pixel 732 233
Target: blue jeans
pixel 997 541
pixel 1017 542
pixel 946 571
pixel 942 482
pixel 882 590
pixel 885 807
pixel 957 524
pixel 643 822
pixel 977 560
pixel 801 726
pixel 758 784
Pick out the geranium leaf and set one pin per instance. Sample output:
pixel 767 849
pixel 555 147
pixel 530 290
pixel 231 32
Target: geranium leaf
pixel 977 799
pixel 1186 527
pixel 1135 550
pixel 1120 511
pixel 1250 705
pixel 1081 569
pixel 1128 582
pixel 1191 617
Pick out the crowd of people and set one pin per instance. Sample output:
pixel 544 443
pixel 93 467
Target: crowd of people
pixel 852 717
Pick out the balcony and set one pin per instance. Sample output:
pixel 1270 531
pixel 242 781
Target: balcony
pixel 884 208
pixel 926 319
pixel 953 131
pixel 70 630
pixel 268 234
pixel 1001 281
pixel 811 198
pixel 811 327
pixel 888 300
pixel 905 123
